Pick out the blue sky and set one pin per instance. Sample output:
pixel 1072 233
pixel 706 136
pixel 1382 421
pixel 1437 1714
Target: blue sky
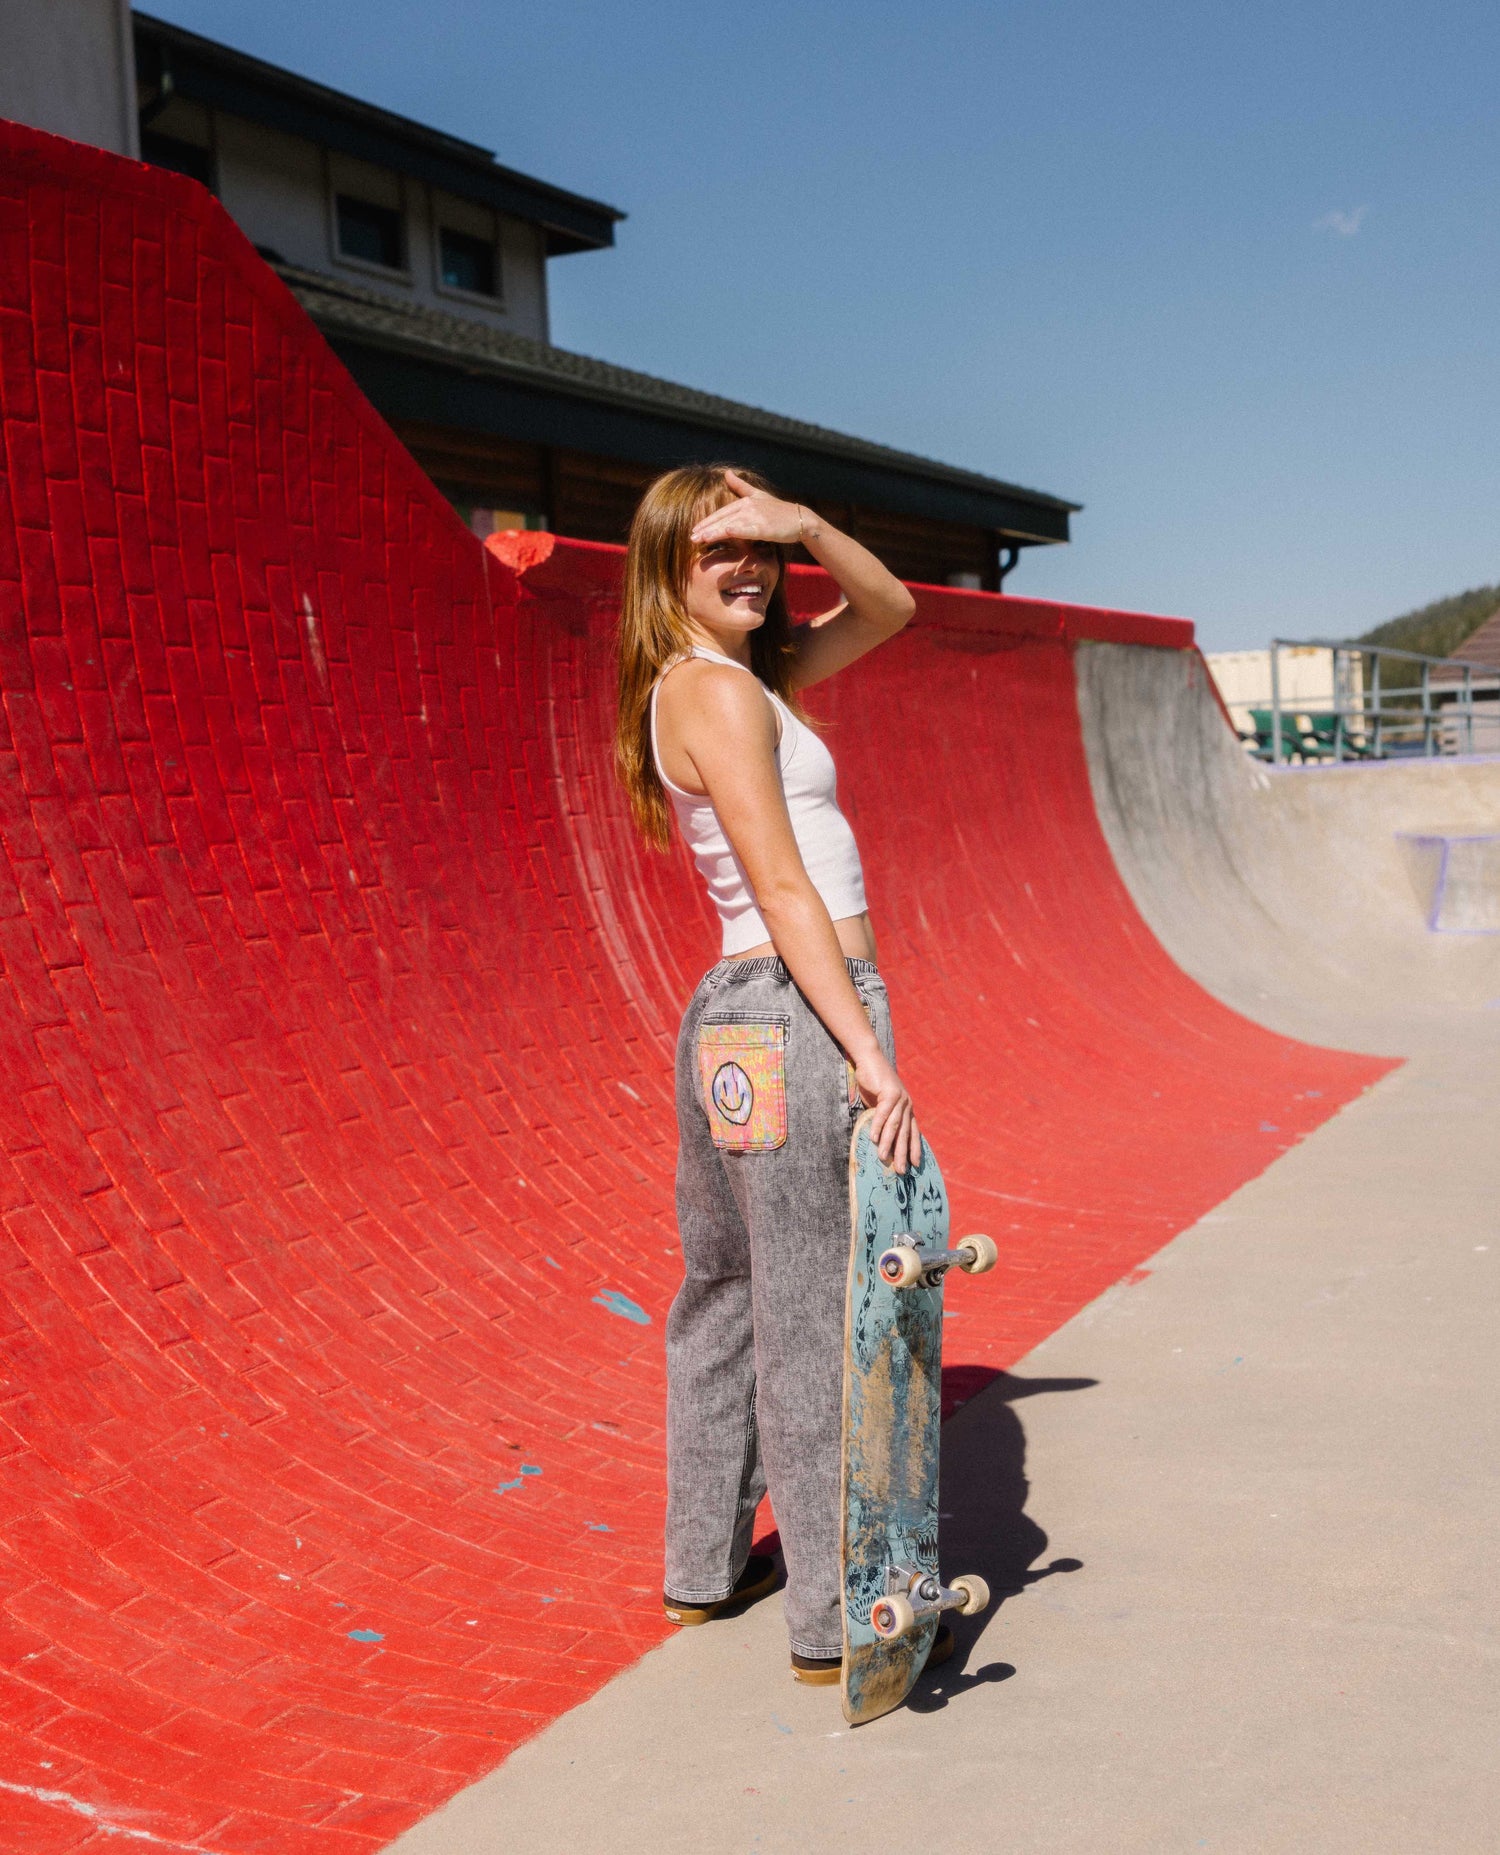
pixel 1227 274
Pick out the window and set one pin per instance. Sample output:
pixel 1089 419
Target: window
pixel 181 157
pixel 370 233
pixel 467 263
pixel 486 521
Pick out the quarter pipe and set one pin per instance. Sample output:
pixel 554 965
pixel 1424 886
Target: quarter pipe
pixel 335 1030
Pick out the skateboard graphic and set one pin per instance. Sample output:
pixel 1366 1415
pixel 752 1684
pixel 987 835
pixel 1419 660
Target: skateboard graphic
pixel 893 1354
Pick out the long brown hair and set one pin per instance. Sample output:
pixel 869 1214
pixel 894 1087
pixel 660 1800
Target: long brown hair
pixel 655 630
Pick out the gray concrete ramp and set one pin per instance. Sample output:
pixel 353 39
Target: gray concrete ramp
pixel 1293 895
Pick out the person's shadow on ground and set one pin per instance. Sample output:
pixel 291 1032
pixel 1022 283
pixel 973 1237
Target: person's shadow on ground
pixel 985 1526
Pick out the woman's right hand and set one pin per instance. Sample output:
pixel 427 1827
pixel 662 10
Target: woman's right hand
pixel 894 1128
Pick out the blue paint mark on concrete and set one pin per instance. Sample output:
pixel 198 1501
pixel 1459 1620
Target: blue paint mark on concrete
pixel 598 1526
pixel 620 1304
pixel 552 1262
pixel 527 1468
pixel 366 1636
pixel 1269 1127
pixel 780 1725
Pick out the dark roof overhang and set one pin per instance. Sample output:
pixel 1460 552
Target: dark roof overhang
pixel 180 63
pixel 422 364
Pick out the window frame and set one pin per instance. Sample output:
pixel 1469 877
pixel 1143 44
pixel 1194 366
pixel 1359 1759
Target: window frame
pixel 497 252
pixel 400 274
pixel 210 154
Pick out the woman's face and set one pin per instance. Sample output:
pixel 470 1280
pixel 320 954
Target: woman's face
pixel 730 583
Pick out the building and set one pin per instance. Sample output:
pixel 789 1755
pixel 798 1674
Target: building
pixel 424 262
pixel 70 69
pixel 1466 692
pixel 1357 699
pixel 1479 655
pixel 1310 679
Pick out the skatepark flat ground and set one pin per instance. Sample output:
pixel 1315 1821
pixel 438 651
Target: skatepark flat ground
pixel 1263 1477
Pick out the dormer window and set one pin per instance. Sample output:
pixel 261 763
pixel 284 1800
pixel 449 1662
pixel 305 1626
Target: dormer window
pixel 368 233
pixel 467 263
pixel 170 151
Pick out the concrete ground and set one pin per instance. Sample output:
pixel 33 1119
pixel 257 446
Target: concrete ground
pixel 1241 1514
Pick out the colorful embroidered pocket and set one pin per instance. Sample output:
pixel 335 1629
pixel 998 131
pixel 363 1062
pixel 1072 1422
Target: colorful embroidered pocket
pixel 743 1071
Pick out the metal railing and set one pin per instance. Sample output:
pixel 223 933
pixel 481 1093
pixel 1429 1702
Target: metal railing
pixel 1371 718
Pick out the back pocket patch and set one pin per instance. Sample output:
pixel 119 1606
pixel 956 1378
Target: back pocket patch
pixel 742 1068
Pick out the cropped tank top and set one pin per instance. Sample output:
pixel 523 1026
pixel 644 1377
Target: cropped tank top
pixel 810 782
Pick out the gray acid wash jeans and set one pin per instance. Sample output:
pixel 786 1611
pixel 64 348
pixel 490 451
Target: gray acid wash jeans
pixel 755 1337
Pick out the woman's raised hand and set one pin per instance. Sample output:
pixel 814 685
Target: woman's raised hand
pixel 894 1128
pixel 754 515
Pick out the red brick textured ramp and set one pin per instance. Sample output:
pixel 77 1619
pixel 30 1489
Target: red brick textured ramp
pixel 335 1029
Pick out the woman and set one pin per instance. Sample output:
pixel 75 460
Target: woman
pixel 782 1043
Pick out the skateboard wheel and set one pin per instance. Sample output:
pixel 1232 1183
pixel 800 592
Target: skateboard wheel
pixel 900 1267
pixel 892 1616
pixel 981 1252
pixel 976 1593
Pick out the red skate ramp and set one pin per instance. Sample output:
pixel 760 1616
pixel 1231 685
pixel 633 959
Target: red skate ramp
pixel 337 1015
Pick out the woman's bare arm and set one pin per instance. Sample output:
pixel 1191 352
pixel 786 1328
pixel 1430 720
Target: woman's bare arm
pixel 727 727
pixel 875 607
pixel 875 604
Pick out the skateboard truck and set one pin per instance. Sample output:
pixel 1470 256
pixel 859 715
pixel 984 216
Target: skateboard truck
pixel 912 1594
pixel 909 1265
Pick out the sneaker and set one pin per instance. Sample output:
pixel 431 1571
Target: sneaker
pixel 757 1580
pixel 816 1671
pixel 821 1671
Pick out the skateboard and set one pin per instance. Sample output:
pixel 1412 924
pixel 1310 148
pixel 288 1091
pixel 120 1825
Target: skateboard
pixel 893 1355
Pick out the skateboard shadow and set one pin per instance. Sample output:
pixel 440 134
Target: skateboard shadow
pixel 986 1528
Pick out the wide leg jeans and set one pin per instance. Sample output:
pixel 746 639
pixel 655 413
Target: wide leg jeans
pixel 755 1337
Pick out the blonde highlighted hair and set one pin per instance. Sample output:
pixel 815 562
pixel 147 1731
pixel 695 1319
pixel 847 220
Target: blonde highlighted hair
pixel 655 630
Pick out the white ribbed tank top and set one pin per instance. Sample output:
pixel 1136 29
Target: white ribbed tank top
pixel 810 782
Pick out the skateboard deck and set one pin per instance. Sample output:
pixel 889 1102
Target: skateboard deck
pixel 893 1355
pixel 894 1596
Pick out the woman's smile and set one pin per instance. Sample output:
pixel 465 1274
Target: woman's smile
pixel 731 582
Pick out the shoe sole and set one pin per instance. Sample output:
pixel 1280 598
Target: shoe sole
pixel 942 1650
pixel 689 1616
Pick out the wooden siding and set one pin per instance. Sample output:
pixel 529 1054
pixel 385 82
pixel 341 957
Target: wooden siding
pixel 593 498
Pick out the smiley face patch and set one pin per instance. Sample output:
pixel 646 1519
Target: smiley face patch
pixel 742 1067
pixel 733 1094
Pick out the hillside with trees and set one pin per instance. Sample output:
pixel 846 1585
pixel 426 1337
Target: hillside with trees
pixel 1439 629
